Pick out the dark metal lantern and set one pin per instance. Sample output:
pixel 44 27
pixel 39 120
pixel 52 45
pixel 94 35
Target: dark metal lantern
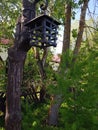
pixel 43 31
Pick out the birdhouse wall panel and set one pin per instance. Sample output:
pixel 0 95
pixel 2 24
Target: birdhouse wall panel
pixel 43 31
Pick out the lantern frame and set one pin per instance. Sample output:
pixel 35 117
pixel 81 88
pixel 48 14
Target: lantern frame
pixel 43 31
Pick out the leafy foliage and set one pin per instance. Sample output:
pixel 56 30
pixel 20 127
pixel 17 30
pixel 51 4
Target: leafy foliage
pixel 78 85
pixel 9 11
pixel 31 114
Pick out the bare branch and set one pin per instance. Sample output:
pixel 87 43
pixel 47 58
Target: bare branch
pixel 90 27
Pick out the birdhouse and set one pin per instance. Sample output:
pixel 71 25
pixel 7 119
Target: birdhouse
pixel 43 31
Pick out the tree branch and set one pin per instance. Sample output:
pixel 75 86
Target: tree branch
pixel 91 27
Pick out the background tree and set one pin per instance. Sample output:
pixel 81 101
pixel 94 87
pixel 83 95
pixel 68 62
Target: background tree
pixel 81 27
pixel 53 114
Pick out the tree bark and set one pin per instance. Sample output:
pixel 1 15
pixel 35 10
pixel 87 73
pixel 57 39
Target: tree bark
pixel 81 28
pixel 16 58
pixel 67 27
pixel 13 108
pixel 54 110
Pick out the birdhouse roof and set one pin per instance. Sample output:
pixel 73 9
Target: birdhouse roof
pixel 39 18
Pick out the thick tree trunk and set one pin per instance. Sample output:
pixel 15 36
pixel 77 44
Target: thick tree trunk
pixel 13 108
pixel 81 28
pixel 16 58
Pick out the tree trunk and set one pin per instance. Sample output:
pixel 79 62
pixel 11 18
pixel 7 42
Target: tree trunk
pixel 57 99
pixel 81 28
pixel 54 110
pixel 13 108
pixel 16 58
pixel 67 27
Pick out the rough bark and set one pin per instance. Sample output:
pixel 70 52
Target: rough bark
pixel 81 28
pixel 16 58
pixel 13 108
